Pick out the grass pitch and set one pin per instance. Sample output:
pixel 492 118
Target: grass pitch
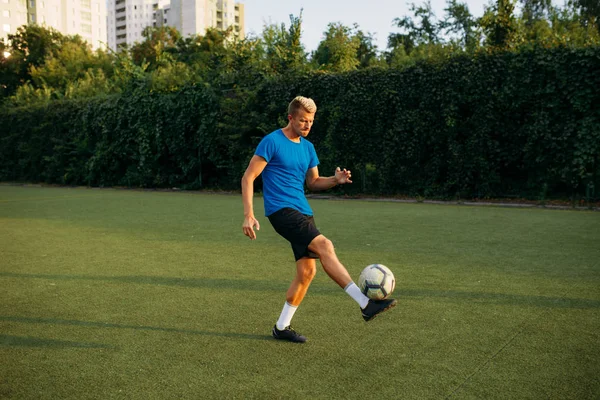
pixel 115 294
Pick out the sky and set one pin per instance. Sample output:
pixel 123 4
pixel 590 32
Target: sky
pixel 374 16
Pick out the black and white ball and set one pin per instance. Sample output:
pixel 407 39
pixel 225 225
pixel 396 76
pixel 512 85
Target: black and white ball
pixel 376 281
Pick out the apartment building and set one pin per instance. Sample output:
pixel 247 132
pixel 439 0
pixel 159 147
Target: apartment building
pixel 127 19
pixel 230 14
pixel 13 13
pixel 86 18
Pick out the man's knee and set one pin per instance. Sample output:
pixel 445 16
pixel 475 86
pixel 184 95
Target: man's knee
pixel 307 271
pixel 322 246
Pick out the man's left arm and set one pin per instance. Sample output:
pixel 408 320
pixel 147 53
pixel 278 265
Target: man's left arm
pixel 314 182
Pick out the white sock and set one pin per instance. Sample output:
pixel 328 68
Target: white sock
pixel 286 316
pixel 356 294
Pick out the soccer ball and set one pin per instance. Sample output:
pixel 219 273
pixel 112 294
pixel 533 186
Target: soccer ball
pixel 376 281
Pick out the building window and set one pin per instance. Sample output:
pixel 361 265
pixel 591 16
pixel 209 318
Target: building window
pixel 6 13
pixel 6 28
pixel 86 16
pixel 32 3
pixel 32 18
pixel 86 28
pixel 5 1
pixel 86 3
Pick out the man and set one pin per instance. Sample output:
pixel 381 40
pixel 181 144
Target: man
pixel 287 160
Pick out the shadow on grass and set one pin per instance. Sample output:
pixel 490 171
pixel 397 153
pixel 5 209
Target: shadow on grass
pixel 318 289
pixel 502 298
pixel 208 283
pixel 29 341
pixel 56 321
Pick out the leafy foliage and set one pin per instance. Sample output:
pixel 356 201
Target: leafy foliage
pixel 456 107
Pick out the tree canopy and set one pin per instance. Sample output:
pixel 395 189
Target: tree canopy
pixel 44 65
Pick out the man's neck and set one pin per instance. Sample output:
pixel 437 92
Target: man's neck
pixel 289 133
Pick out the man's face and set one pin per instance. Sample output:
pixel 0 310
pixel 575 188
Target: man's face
pixel 301 122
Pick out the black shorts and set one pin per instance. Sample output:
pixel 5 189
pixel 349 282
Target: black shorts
pixel 296 228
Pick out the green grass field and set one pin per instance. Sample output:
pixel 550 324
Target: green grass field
pixel 117 294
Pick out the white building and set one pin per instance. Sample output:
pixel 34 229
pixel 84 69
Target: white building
pixel 13 13
pixel 86 18
pixel 127 19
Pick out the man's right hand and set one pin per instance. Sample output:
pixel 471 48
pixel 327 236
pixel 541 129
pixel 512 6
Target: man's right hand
pixel 248 227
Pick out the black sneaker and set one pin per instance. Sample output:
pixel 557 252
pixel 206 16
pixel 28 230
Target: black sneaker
pixel 288 334
pixel 375 307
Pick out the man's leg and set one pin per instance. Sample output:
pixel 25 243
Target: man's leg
pixel 332 266
pixel 336 271
pixel 306 268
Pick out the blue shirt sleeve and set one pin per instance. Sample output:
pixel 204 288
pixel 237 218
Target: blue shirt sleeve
pixel 266 148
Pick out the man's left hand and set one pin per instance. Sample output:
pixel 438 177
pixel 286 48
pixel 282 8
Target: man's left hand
pixel 342 176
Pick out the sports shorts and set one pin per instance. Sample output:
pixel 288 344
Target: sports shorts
pixel 297 228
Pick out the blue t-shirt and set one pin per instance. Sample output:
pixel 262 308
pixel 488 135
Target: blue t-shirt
pixel 283 177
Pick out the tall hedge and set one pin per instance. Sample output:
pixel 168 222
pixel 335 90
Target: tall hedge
pixel 507 124
pixel 137 140
pixel 510 124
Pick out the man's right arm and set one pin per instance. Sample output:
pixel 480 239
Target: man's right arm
pixel 255 168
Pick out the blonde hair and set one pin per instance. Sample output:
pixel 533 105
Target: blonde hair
pixel 301 102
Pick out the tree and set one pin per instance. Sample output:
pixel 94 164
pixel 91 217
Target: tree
pixel 45 64
pixel 74 60
pixel 570 29
pixel 500 26
pixel 156 41
pixel 28 47
pixel 338 51
pixel 535 9
pixel 420 38
pixel 425 30
pixel 366 53
pixel 589 10
pixel 459 21
pixel 284 52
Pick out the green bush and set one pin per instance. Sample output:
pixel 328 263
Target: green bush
pixel 506 124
